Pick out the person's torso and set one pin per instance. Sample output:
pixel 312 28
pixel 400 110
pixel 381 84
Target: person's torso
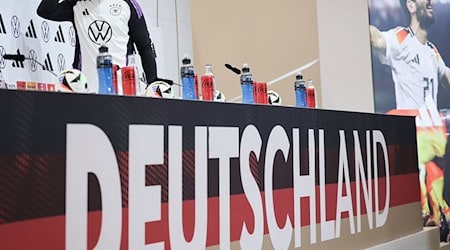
pixel 101 22
pixel 414 70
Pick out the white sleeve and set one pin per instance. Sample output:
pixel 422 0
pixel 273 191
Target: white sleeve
pixel 392 47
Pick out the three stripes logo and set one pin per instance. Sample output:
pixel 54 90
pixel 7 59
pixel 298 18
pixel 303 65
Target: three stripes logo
pixel 48 63
pixel 18 64
pixel 31 31
pixel 59 35
pixel 85 12
pixel 2 26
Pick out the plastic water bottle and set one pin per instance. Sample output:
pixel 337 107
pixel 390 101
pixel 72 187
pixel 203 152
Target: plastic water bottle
pixel 300 91
pixel 105 71
pixel 247 85
pixel 187 79
pixel 311 95
pixel 208 84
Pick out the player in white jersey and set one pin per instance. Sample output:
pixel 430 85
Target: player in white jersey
pixel 417 69
pixel 118 24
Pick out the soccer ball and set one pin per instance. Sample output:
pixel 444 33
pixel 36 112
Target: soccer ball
pixel 219 96
pixel 273 97
pixel 159 89
pixel 72 80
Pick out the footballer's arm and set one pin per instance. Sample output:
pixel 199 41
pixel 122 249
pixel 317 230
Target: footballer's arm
pixel 377 40
pixel 55 10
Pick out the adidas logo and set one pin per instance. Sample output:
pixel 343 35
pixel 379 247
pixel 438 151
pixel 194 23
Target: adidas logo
pixel 18 64
pixel 85 12
pixel 48 63
pixel 31 31
pixel 59 35
pixel 2 26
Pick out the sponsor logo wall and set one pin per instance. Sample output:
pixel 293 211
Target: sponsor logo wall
pixel 23 32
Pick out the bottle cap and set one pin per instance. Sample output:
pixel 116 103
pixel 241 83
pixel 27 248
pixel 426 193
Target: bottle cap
pixel 245 68
pixel 310 82
pixel 299 76
pixel 186 59
pixel 103 49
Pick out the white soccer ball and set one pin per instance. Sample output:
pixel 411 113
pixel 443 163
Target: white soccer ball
pixel 72 80
pixel 273 97
pixel 219 96
pixel 159 89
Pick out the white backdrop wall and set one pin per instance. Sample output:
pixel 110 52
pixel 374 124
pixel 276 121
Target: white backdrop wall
pixel 52 43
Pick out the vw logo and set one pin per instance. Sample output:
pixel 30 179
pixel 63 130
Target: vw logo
pixel 100 32
pixel 45 31
pixel 73 36
pixel 33 59
pixel 61 62
pixel 2 60
pixel 15 26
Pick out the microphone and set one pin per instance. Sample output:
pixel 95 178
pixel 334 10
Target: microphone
pixel 234 69
pixel 21 58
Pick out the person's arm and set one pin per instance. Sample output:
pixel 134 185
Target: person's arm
pixel 446 77
pixel 55 11
pixel 139 35
pixel 377 40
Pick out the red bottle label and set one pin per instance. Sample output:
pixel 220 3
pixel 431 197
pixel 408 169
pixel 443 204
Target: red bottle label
pixel 260 92
pixel 207 88
pixel 128 81
pixel 311 97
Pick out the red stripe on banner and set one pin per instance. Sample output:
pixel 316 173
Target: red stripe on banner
pixel 49 233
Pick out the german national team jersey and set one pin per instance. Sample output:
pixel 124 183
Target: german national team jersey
pixel 118 24
pixel 416 67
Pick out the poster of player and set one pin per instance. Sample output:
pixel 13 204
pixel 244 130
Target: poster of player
pixel 410 53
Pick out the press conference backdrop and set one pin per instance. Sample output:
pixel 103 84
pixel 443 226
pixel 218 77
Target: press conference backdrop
pixel 23 32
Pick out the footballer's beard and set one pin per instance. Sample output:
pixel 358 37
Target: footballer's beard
pixel 425 20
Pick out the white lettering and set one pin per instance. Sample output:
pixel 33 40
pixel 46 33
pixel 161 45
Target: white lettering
pixel 361 177
pixel 327 228
pixel 278 140
pixel 344 203
pixel 144 202
pixel 224 144
pixel 380 218
pixel 85 140
pixel 304 186
pixel 177 236
pixel 251 142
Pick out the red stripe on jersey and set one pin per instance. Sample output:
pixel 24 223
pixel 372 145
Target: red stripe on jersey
pixel 401 35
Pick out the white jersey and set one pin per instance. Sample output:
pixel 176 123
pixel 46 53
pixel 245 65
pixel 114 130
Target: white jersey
pixel 416 67
pixel 118 24
pixel 95 23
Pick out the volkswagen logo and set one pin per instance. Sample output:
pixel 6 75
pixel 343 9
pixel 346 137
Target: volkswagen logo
pixel 73 36
pixel 33 59
pixel 61 62
pixel 100 32
pixel 2 60
pixel 45 31
pixel 15 26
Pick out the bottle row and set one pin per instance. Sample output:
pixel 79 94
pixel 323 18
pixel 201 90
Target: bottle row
pixel 252 91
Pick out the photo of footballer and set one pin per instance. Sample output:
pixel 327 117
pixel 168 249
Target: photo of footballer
pixel 409 49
